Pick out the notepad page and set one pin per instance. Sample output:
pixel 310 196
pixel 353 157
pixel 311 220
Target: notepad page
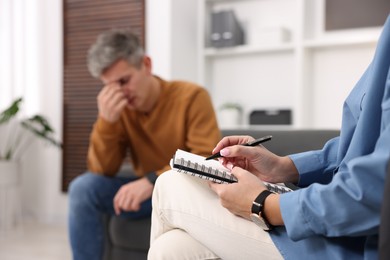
pixel 194 158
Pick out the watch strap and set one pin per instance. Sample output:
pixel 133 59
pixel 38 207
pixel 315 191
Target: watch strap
pixel 152 177
pixel 258 203
pixel 258 206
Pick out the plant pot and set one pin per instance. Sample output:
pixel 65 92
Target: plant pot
pixel 229 118
pixel 9 173
pixel 10 204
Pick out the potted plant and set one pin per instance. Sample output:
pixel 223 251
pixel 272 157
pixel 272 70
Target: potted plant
pixel 230 114
pixel 16 135
pixel 20 133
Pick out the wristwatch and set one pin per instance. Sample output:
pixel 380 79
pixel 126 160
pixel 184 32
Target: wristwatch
pixel 257 215
pixel 152 177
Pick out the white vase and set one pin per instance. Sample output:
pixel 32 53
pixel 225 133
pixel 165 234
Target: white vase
pixel 229 118
pixel 10 204
pixel 9 173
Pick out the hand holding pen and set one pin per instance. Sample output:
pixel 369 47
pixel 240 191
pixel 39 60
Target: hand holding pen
pixel 252 143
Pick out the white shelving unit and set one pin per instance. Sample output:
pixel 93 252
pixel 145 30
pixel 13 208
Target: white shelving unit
pixel 311 74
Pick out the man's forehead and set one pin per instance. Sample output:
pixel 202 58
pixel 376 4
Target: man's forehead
pixel 117 72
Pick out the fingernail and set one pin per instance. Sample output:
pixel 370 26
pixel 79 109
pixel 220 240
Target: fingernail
pixel 224 152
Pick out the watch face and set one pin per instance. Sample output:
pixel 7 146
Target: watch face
pixel 259 221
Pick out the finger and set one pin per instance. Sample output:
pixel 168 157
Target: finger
pixel 106 93
pixel 232 162
pixel 117 104
pixel 213 186
pixel 114 96
pixel 110 93
pixel 231 140
pixel 216 187
pixel 116 205
pixel 239 172
pixel 135 205
pixel 246 152
pixel 101 98
pixel 126 204
pixel 111 104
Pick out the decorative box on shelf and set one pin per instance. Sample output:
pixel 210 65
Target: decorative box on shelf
pixel 268 35
pixel 226 30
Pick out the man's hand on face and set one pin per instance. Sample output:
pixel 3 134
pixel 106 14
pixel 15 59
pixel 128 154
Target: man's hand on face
pixel 111 101
pixel 130 196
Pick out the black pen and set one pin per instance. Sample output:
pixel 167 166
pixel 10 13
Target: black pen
pixel 253 143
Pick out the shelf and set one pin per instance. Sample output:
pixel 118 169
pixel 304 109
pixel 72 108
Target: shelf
pixel 294 73
pixel 247 49
pixel 340 39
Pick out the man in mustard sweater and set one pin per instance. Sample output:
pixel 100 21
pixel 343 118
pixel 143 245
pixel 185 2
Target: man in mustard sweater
pixel 139 114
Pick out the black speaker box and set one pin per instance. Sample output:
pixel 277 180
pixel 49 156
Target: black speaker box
pixel 270 117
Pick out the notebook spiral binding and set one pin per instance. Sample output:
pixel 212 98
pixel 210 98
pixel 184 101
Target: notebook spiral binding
pixel 203 171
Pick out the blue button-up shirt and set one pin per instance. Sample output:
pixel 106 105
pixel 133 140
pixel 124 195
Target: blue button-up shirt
pixel 336 214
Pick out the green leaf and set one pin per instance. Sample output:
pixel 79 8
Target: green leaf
pixel 39 126
pixel 231 105
pixel 10 112
pixel 8 155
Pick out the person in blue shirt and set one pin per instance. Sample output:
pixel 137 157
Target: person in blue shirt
pixel 334 215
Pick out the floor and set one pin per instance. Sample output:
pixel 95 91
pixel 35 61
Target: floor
pixel 34 241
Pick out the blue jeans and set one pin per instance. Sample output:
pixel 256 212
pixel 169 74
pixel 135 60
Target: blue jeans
pixel 90 198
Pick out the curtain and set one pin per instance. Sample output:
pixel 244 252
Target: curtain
pixel 19 50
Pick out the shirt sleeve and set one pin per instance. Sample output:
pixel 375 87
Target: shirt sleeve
pixel 107 148
pixel 353 195
pixel 203 133
pixel 321 166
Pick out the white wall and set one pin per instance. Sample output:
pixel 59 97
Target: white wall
pixel 31 67
pixel 158 33
pixel 332 81
pixel 42 194
pixel 171 38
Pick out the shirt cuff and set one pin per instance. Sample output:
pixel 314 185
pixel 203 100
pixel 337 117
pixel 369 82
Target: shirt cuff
pixel 294 219
pixel 306 163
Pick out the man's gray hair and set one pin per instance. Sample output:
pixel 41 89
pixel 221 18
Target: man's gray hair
pixel 112 46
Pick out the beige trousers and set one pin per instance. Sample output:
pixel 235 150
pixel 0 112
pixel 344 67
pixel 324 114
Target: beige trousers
pixel 188 222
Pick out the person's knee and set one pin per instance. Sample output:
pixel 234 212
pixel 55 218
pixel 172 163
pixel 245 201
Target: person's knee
pixel 166 246
pixel 81 187
pixel 178 244
pixel 168 181
pixel 165 186
pixel 165 177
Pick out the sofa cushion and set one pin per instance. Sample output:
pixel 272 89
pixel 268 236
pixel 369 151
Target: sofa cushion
pixel 127 238
pixel 121 227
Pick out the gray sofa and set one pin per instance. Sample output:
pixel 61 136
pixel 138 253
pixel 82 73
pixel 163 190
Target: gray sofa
pixel 130 239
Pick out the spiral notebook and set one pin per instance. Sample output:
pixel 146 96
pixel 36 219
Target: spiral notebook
pixel 195 165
